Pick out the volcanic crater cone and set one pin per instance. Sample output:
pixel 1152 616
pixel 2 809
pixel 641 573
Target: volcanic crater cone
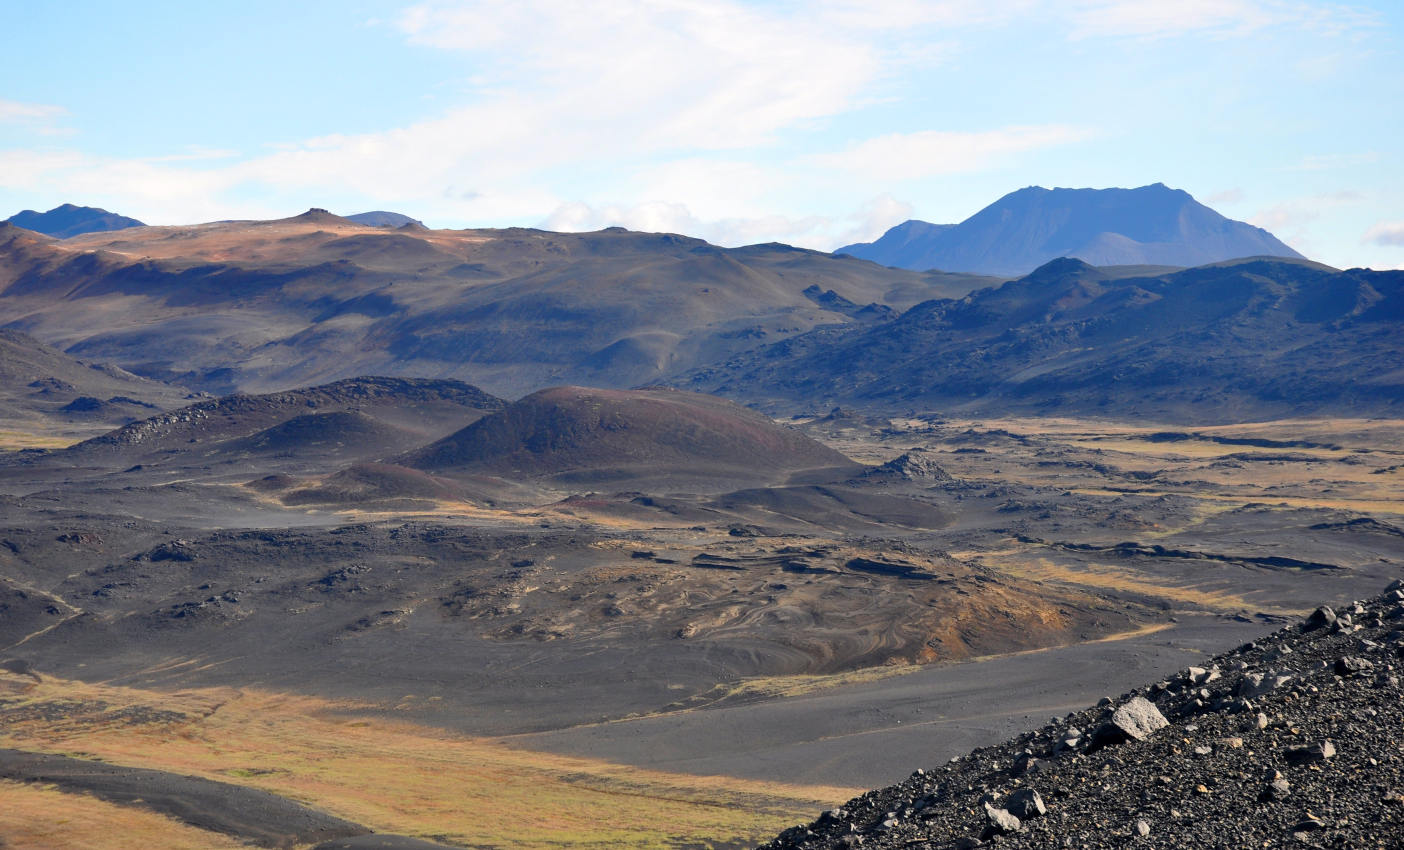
pixel 584 434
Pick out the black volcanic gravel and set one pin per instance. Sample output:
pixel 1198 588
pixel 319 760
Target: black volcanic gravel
pixel 1294 740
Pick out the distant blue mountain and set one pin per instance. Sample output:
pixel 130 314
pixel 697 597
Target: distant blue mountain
pixel 381 218
pixel 69 220
pixel 1152 225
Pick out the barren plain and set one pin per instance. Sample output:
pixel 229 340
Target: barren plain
pixel 475 661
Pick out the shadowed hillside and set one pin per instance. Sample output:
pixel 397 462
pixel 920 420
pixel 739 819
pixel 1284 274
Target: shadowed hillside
pixel 46 393
pixel 617 434
pixel 1251 339
pixel 254 306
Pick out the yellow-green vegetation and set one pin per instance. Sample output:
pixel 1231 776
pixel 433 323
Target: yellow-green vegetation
pixel 13 440
pixel 35 817
pixel 397 777
pixel 1025 565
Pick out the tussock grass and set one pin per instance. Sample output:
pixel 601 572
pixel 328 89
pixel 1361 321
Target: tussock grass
pixel 41 818
pixel 398 777
pixel 1095 576
pixel 13 440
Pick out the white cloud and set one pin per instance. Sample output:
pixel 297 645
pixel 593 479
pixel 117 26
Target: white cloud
pixel 654 74
pixel 1149 19
pixel 874 219
pixel 1329 161
pixel 821 233
pixel 672 217
pixel 911 156
pixel 1289 219
pixel 1386 233
pixel 665 114
pixel 1227 196
pixel 1299 211
pixel 11 110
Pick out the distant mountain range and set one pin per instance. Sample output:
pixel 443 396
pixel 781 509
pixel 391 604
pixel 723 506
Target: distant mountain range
pixel 1153 225
pixel 1237 341
pixel 255 306
pixel 228 307
pixel 69 220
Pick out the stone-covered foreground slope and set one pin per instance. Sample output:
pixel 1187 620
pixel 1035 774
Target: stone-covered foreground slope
pixel 1294 740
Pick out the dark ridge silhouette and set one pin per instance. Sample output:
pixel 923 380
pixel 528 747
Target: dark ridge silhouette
pixel 69 220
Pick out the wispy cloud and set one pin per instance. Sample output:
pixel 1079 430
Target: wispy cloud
pixel 706 116
pixel 1227 196
pixel 859 225
pixel 11 110
pixel 648 92
pixel 1385 233
pixel 1329 161
pixel 1299 211
pixel 1153 19
pixel 652 74
pixel 911 156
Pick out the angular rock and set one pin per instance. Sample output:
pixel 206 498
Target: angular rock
pixel 1275 790
pixel 1026 804
pixel 1202 676
pixel 1320 751
pixel 1321 618
pixel 1134 721
pixel 1349 665
pixel 1000 821
pixel 1024 764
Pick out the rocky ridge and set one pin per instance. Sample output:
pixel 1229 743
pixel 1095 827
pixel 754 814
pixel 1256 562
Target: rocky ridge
pixel 1293 740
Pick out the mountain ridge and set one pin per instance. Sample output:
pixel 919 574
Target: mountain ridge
pixel 265 305
pixel 68 220
pixel 1240 340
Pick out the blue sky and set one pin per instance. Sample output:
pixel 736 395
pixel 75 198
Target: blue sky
pixel 816 123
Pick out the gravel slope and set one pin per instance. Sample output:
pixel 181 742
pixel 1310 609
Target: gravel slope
pixel 1294 740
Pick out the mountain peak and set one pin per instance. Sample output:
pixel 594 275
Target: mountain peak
pixel 1061 267
pixel 317 215
pixel 1149 225
pixel 68 220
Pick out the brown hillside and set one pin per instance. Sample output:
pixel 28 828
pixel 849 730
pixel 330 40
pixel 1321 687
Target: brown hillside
pixel 619 433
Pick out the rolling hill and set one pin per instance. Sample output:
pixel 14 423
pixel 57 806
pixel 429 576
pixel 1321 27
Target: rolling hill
pixel 1152 225
pixel 611 435
pixel 257 306
pixel 1245 340
pixel 351 420
pixel 382 218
